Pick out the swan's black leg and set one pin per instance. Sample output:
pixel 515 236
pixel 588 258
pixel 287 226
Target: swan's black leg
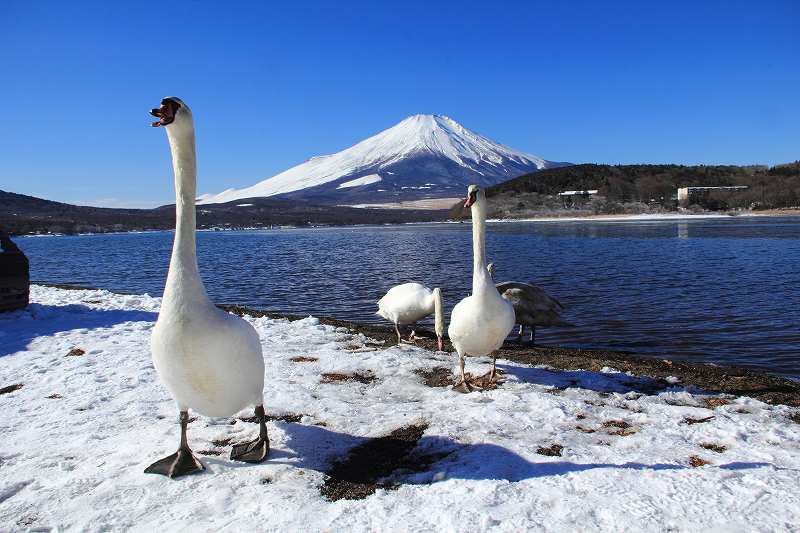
pixel 254 451
pixel 180 463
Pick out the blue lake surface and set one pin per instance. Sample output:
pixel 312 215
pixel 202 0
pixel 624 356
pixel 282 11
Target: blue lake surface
pixel 713 290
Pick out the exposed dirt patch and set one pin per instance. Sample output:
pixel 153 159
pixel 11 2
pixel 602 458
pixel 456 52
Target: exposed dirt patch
pixel 75 352
pixel 696 461
pixel 54 397
pixel 439 376
pixel 580 416
pixel 361 473
pixel 552 451
pixel 713 403
pixel 689 420
pixel 292 418
pixel 221 443
pixel 365 377
pixel 303 359
pixel 11 388
pixel 266 480
pixel 719 448
pixel 621 428
pixel 621 424
pixel 209 452
pixel 583 429
pixel 732 380
pixel 622 432
pixel 795 418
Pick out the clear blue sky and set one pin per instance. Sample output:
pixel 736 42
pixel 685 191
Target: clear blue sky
pixel 274 84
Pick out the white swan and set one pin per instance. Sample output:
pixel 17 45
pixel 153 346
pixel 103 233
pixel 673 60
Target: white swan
pixel 532 305
pixel 209 360
pixel 479 323
pixel 410 302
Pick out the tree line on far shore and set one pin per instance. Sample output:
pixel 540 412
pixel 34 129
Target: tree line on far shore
pixel 646 188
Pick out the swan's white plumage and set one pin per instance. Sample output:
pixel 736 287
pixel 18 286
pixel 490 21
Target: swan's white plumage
pixel 407 303
pixel 480 322
pixel 209 360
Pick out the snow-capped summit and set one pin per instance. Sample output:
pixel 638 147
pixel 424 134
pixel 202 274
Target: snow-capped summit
pixel 423 156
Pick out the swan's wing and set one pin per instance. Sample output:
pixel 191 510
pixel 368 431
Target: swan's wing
pixel 532 304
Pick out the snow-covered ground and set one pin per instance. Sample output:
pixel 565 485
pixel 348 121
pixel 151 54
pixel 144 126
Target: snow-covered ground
pixel 79 432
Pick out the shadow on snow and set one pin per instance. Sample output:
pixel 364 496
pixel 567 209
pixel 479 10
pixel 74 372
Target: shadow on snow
pixel 434 458
pixel 19 328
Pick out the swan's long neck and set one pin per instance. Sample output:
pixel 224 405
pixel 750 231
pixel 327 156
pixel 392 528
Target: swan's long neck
pixel 438 312
pixel 480 275
pixel 183 281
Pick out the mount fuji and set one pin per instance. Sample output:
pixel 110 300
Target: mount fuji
pixel 422 157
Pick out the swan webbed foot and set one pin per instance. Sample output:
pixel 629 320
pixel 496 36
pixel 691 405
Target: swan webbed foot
pixel 467 383
pixel 251 452
pixel 491 379
pixel 254 451
pixel 181 463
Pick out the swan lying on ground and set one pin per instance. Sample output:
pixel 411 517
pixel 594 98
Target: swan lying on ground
pixel 208 359
pixel 409 303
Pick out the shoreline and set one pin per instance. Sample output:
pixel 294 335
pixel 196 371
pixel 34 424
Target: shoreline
pixel 714 379
pixel 652 217
pixel 711 378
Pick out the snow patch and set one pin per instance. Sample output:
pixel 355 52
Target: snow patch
pixel 573 450
pixel 364 180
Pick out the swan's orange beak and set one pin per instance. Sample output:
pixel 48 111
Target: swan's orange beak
pixel 439 339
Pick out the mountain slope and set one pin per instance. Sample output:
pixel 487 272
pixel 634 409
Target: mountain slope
pixel 424 156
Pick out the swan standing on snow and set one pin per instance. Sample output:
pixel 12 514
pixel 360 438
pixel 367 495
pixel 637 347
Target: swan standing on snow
pixel 532 306
pixel 410 302
pixel 209 360
pixel 479 323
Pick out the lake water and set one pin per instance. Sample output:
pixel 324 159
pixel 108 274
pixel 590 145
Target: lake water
pixel 715 290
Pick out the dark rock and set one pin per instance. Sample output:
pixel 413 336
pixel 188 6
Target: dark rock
pixel 15 280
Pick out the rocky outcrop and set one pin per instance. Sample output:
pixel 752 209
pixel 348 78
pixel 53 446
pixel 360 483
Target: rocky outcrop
pixel 14 276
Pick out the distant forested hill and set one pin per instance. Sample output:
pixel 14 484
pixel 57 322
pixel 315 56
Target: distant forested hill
pixel 22 215
pixel 624 187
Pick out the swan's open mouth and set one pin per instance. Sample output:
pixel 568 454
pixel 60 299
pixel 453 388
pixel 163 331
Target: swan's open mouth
pixel 471 197
pixel 166 113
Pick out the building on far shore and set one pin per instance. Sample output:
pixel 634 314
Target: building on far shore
pixel 696 195
pixel 570 197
